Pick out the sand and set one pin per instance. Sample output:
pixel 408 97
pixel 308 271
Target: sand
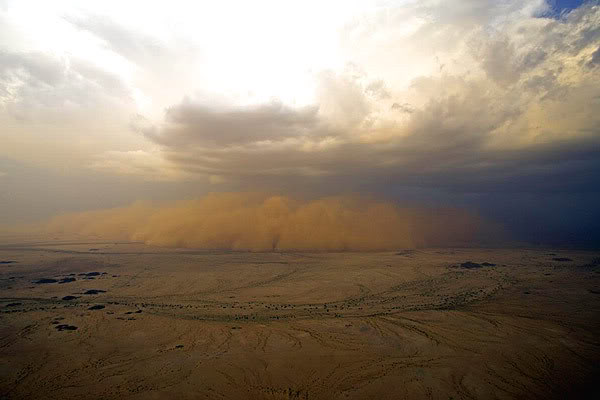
pixel 125 320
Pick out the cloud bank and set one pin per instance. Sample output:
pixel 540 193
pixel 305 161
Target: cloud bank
pixel 258 222
pixel 514 96
pixel 486 105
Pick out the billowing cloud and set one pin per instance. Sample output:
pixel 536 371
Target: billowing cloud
pixel 191 124
pixel 527 91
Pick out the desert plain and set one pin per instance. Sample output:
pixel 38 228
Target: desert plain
pixel 106 320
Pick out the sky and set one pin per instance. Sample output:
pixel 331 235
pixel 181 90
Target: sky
pixel 485 105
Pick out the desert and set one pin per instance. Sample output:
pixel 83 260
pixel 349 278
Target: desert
pixel 137 321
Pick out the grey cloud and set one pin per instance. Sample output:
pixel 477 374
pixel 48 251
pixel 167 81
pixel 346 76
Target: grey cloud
pixel 36 83
pixel 40 69
pixel 541 83
pixel 404 107
pixel 378 90
pixel 503 63
pixel 189 124
pixel 128 43
pixel 445 144
pixel 158 57
pixel 533 59
pixel 595 60
pixel 498 61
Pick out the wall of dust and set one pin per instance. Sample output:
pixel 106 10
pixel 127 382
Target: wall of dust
pixel 259 222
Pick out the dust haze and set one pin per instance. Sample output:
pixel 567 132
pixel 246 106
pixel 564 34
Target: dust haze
pixel 261 222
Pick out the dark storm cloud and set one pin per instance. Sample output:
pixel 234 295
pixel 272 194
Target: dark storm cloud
pixel 445 143
pixel 189 124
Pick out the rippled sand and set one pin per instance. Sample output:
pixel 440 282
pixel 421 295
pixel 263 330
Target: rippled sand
pixel 223 325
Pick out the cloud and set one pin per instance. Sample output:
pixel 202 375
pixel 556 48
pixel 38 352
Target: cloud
pixel 189 124
pixel 526 98
pixel 257 222
pixel 595 60
pixel 39 85
pixel 404 107
pixel 60 111
pixel 148 165
pixel 131 44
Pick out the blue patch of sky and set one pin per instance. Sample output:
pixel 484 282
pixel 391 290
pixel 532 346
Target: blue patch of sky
pixel 561 7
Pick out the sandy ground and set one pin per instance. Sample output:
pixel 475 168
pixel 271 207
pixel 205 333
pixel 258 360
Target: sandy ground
pixel 169 323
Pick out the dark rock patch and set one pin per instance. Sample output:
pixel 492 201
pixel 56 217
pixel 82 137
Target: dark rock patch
pixel 594 291
pixel 13 304
pixel 179 346
pixel 95 273
pixel 93 249
pixel 67 280
pixel 94 291
pixel 89 277
pixel 69 298
pixel 7 262
pixel 474 265
pixel 45 280
pixel 470 265
pixel 96 307
pixel 65 327
pixel 562 259
pixel 138 312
